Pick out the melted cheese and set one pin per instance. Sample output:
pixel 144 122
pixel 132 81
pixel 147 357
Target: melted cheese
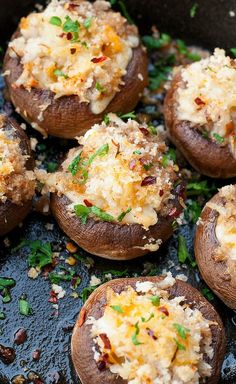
pixel 144 338
pixel 114 180
pixel 207 96
pixel 45 48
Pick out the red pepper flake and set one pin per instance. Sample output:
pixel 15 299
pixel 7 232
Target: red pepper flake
pixel 62 35
pixel 87 203
pixel 106 341
pixel 229 128
pixel 151 333
pixel 199 102
pixel 53 298
pixel 73 51
pixel 20 336
pixel 96 60
pixel 161 192
pixel 144 131
pixel 132 164
pixel 163 310
pixel 69 36
pixel 149 180
pixel 115 144
pixel 174 212
pixel 101 365
pixel 82 317
pixel 72 6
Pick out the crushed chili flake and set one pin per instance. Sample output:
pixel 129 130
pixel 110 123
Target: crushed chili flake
pixel 144 131
pixel 87 203
pixel 53 298
pixel 63 34
pixel 36 355
pixel 106 341
pixel 199 101
pixel 163 310
pixel 69 36
pixel 149 180
pixel 72 6
pixel 20 336
pixel 101 365
pixel 82 317
pixel 96 60
pixel 229 128
pixel 72 51
pixel 151 333
pixel 161 192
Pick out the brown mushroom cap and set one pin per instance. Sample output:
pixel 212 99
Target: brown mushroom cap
pixel 205 244
pixel 11 214
pixel 207 157
pixel 82 343
pixel 66 116
pixel 112 240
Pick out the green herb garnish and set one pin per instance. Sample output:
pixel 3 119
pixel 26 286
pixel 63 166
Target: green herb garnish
pixel 70 25
pixel 2 316
pixel 218 138
pixel 100 88
pixel 182 331
pixel 106 119
pixel 180 346
pixel 41 254
pixel 183 254
pixel 208 294
pixel 147 166
pixel 193 10
pixel 60 73
pixel 115 272
pixel 137 152
pixel 182 48
pixel 169 156
pixel 6 282
pixel 88 22
pixel 56 21
pixel 83 212
pixel 74 165
pixel 152 129
pixel 130 115
pixel 155 300
pixel 117 308
pixel 161 71
pixel 52 167
pixel 136 333
pixel 156 43
pixel 148 319
pixel 199 188
pixel 125 12
pixel 87 292
pixel 193 211
pixel 24 307
pixel 123 214
pixel 102 151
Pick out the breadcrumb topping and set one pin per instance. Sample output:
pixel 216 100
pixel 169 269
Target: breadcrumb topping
pixel 16 183
pixel 207 98
pixel 75 48
pixel 148 337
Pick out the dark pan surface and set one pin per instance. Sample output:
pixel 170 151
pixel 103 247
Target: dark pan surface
pixel 46 330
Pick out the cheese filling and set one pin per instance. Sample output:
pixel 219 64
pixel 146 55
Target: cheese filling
pixel 146 337
pixel 75 48
pixel 225 229
pixel 16 183
pixel 207 98
pixel 122 169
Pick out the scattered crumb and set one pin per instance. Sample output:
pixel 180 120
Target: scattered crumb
pixel 60 292
pixel 95 281
pixel 181 277
pixel 33 273
pixel 231 13
pixel 33 143
pixel 49 226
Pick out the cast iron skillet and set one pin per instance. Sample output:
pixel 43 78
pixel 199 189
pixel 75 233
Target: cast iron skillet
pixel 212 26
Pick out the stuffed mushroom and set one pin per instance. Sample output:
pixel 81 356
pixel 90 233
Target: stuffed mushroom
pixel 17 180
pixel 118 194
pixel 148 330
pixel 73 62
pixel 200 114
pixel 215 244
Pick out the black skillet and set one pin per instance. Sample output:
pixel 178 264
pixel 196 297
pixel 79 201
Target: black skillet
pixel 213 25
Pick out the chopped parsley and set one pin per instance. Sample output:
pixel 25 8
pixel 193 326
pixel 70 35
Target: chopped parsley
pixel 137 152
pixel 87 292
pixel 100 88
pixel 123 214
pixel 117 308
pixel 41 254
pixel 218 138
pixel 152 129
pixel 196 188
pixel 88 22
pixel 182 48
pixel 117 273
pixel 106 119
pixel 182 331
pixel 83 212
pixel 168 156
pixel 130 115
pixel 208 294
pixel 193 10
pixel 193 211
pixel 74 165
pixel 147 166
pixel 155 300
pixel 183 254
pixel 56 21
pixel 125 12
pixel 148 319
pixel 70 25
pixel 2 316
pixel 136 333
pixel 156 43
pixel 233 51
pixel 64 275
pixel 161 71
pixel 60 73
pixel 102 151
pixel 24 307
pixel 180 346
pixel 52 167
pixel 7 282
